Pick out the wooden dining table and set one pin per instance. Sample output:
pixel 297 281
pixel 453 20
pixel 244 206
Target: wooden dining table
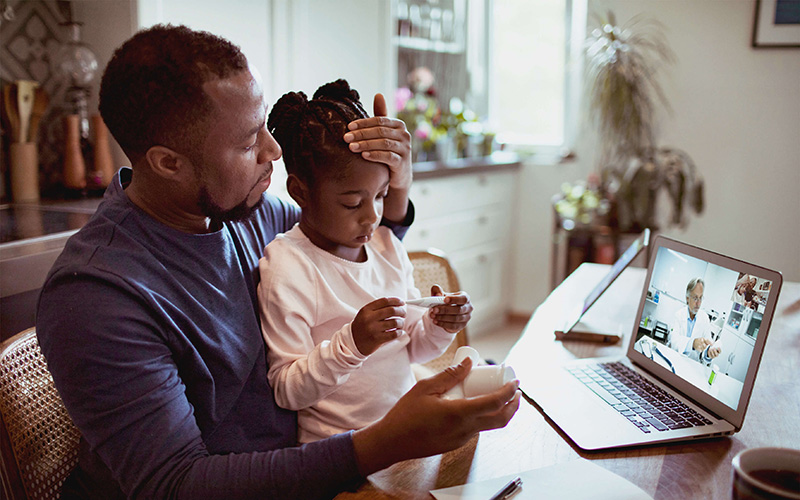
pixel 696 469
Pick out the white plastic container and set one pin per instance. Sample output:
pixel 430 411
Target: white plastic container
pixel 482 379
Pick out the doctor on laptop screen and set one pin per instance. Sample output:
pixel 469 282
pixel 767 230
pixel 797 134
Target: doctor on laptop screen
pixel 691 332
pixel 701 321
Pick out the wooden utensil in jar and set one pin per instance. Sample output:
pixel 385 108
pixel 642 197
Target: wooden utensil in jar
pixel 25 94
pixel 10 105
pixel 74 163
pixel 40 103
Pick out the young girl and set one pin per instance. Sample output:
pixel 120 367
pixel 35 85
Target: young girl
pixel 340 338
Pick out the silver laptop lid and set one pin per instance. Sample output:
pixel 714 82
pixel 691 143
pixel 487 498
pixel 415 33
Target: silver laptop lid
pixel 702 322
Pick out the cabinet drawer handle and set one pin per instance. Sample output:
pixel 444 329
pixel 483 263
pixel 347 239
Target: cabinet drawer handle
pixel 483 220
pixel 483 258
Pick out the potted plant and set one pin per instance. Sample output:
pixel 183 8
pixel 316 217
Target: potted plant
pixel 623 94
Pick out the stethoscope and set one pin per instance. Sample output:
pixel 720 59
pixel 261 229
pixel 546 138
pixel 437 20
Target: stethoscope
pixel 652 347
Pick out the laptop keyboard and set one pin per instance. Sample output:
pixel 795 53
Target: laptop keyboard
pixel 644 404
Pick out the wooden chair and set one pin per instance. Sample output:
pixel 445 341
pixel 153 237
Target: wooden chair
pixel 431 267
pixel 39 441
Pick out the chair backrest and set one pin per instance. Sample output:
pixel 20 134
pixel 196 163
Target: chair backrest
pixel 43 440
pixel 431 267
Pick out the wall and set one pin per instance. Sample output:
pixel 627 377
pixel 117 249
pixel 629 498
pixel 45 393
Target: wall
pixel 318 41
pixel 735 110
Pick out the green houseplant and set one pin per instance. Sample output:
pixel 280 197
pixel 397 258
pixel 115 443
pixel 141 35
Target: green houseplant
pixel 623 97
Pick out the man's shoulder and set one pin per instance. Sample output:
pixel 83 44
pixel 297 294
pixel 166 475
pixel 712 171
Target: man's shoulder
pixel 101 231
pixel 273 212
pixel 272 217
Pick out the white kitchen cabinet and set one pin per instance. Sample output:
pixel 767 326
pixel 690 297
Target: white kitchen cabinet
pixel 469 216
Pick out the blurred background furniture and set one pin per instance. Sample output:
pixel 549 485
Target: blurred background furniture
pixel 597 240
pixel 39 445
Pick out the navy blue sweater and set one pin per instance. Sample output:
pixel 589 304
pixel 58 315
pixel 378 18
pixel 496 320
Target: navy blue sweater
pixel 152 336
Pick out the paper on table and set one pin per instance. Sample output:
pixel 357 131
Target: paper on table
pixel 580 479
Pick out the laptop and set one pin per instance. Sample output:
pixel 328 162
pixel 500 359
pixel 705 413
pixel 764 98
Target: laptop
pixel 663 389
pixel 573 329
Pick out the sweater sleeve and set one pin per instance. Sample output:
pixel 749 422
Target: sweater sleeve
pixel 300 372
pixel 122 382
pixel 400 229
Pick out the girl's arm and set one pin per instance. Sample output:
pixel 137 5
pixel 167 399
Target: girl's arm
pixel 300 372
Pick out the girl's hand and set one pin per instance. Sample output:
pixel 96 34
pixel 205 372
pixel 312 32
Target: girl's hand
pixel 453 316
pixel 378 322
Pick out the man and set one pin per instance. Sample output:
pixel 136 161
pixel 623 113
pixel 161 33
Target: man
pixel 149 321
pixel 691 329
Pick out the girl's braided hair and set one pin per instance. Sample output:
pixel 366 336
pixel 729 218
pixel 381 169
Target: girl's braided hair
pixel 310 133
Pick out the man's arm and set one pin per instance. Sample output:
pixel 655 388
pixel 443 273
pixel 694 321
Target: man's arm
pixel 123 388
pixel 423 424
pixel 122 381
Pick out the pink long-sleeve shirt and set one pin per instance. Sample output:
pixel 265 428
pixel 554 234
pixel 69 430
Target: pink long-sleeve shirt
pixel 308 299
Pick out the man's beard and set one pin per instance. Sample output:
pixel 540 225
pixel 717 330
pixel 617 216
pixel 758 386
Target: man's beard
pixel 218 215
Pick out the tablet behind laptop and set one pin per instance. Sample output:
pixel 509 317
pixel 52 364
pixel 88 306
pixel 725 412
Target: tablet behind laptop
pixel 658 391
pixel 571 329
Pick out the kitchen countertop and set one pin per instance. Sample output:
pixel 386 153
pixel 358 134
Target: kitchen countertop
pixel 20 222
pixel 501 160
pixel 32 236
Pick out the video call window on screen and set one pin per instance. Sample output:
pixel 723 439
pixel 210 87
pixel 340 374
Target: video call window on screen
pixel 705 334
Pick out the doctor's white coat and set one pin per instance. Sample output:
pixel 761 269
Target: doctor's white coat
pixel 680 340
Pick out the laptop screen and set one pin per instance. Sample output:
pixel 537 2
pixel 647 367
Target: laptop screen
pixel 702 318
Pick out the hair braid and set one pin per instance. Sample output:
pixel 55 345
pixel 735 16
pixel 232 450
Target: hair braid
pixel 311 132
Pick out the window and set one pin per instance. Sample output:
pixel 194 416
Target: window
pixel 534 84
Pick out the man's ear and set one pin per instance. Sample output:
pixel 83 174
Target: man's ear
pixel 166 163
pixel 298 190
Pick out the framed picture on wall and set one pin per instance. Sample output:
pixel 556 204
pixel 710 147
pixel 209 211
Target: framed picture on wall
pixel 777 24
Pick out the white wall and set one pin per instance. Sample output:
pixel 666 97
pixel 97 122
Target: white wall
pixel 321 41
pixel 735 110
pixel 245 23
